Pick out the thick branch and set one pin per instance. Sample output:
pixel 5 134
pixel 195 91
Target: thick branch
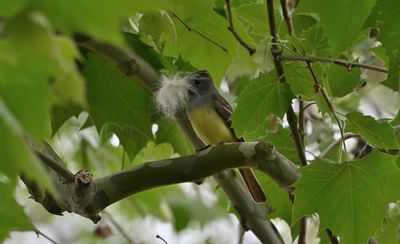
pixel 88 198
pixel 342 62
pixel 233 31
pixel 129 62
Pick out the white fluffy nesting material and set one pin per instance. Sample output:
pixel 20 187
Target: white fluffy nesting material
pixel 172 94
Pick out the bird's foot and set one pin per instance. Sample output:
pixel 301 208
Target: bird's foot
pixel 203 148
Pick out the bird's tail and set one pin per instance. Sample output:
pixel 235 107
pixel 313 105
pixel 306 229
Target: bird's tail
pixel 252 184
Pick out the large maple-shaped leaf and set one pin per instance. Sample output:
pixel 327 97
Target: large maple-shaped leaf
pixel 202 53
pixel 12 214
pixel 260 98
pixel 350 198
pixel 341 31
pixel 385 15
pixel 380 134
pixel 120 102
pixel 99 18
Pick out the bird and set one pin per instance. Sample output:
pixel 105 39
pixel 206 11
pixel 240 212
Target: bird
pixel 209 115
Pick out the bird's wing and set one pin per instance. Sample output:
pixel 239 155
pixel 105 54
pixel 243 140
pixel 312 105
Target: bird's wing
pixel 224 110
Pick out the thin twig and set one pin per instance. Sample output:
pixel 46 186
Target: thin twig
pixel 118 227
pixel 301 122
pixel 300 132
pixel 342 62
pixel 332 238
pixel 198 32
pixel 275 50
pixel 321 89
pixel 307 106
pixel 56 166
pixel 38 232
pixel 336 142
pixel 232 30
pixel 159 237
pixel 286 17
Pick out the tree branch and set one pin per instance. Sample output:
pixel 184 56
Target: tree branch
pixel 233 31
pixel 88 197
pixel 190 28
pixel 319 88
pixel 129 62
pixel 342 62
pixel 286 17
pixel 275 50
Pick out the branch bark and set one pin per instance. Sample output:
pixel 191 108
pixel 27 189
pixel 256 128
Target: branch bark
pixel 342 62
pixel 88 197
pixel 233 31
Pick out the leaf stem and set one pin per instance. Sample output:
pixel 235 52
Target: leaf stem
pixel 232 30
pixel 342 62
pixel 38 232
pixel 336 142
pixel 118 227
pixel 190 28
pixel 321 89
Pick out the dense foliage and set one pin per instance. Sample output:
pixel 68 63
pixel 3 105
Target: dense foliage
pixel 55 89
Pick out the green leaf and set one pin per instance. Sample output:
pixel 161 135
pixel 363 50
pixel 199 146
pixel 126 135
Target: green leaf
pixel 284 143
pixel 143 50
pixel 69 85
pixel 28 63
pixel 301 83
pixel 277 198
pixel 16 156
pixel 186 209
pixel 11 7
pixel 60 114
pixel 12 214
pixel 99 19
pixel 155 26
pixel 260 98
pixel 303 21
pixel 202 53
pixel 253 17
pixel 380 134
pixel 384 16
pixel 389 233
pixel 169 132
pixel 343 81
pixel 350 198
pixel 343 30
pixel 120 102
pixel 315 42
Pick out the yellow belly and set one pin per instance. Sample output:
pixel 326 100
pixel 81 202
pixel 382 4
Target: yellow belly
pixel 209 126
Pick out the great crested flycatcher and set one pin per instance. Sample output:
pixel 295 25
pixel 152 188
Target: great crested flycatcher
pixel 209 115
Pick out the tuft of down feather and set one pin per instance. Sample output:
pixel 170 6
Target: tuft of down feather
pixel 172 94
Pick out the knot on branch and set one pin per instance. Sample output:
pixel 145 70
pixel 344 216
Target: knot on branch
pixel 83 178
pixel 265 150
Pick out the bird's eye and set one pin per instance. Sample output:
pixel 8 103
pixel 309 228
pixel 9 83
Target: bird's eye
pixel 197 82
